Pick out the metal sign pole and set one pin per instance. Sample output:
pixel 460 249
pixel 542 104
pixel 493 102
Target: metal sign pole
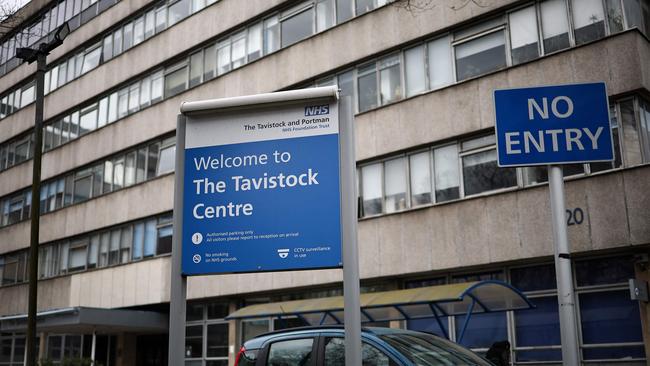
pixel 351 288
pixel 566 296
pixel 178 284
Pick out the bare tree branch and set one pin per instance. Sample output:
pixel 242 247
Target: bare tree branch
pixel 418 6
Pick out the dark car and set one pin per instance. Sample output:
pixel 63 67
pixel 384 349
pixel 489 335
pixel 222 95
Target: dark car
pixel 324 346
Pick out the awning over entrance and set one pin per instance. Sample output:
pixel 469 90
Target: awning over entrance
pixel 89 320
pixel 417 303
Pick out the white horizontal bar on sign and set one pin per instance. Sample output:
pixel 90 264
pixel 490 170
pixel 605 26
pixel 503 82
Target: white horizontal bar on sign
pixel 260 99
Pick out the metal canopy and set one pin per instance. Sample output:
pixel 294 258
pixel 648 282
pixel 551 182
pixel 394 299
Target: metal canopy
pixel 417 303
pixel 88 320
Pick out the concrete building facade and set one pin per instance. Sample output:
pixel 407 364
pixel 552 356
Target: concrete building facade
pixel 434 208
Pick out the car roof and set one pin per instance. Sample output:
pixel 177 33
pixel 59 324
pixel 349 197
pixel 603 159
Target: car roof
pixel 260 340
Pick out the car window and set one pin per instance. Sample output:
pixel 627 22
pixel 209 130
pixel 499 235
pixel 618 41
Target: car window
pixel 427 350
pixel 371 356
pixel 293 352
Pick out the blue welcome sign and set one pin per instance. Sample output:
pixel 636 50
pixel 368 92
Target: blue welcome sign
pixel 561 124
pixel 262 190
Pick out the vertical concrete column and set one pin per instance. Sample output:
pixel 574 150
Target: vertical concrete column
pixel 233 335
pixel 642 272
pixel 41 346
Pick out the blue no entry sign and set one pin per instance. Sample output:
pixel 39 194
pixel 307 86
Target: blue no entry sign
pixel 553 125
pixel 261 190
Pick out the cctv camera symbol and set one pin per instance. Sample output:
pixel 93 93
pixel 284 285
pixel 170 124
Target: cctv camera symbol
pixel 283 253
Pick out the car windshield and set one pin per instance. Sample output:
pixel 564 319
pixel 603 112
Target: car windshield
pixel 427 350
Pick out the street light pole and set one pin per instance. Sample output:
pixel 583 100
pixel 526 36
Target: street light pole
pixel 35 210
pixel 39 55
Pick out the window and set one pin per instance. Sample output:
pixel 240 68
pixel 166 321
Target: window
pixel 138 240
pixel 420 174
pixel 161 19
pixel 134 98
pixel 114 249
pixel 523 35
pixel 82 186
pixel 91 58
pixel 196 68
pixel 539 328
pixel 156 87
pixel 126 241
pixel 480 55
pixel 167 159
pixel 176 80
pixel 149 24
pixel 123 103
pixel 129 169
pixel 367 84
pixel 395 185
pixel 165 231
pixel 335 354
pixel 447 177
pixel 194 341
pixel 102 117
pixel 364 6
pixel 480 170
pixel 415 71
pixel 117 42
pixel 118 173
pixel 27 96
pixel 138 30
pixel 223 57
pixel 88 119
pixel 210 62
pixel 371 190
pixel 588 20
pixel 238 50
pixel 325 14
pixel 271 35
pixel 390 79
pixel 77 256
pixel 292 352
pixel 217 342
pixel 127 36
pixel 150 238
pixel 555 26
pixel 297 25
pixel 178 11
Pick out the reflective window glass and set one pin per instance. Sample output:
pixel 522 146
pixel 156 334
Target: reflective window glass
pixel 371 191
pixel 395 185
pixel 588 20
pixel 297 27
pixel 480 55
pixel 523 35
pixel 414 70
pixel 555 26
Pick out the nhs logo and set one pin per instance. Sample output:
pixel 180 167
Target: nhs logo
pixel 317 110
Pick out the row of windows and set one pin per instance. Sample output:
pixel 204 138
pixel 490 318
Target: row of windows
pixel 75 12
pixel 206 334
pixel 465 168
pixel 60 348
pixel 132 33
pixel 424 67
pixel 122 170
pixel 280 30
pixel 610 328
pixel 524 34
pixel 122 244
pixel 231 52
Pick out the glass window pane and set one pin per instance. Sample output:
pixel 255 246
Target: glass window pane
pixel 127 36
pixel 152 162
pixel 217 343
pixel 297 27
pixel 196 68
pixel 104 249
pixel 102 116
pixel 218 310
pixel 588 20
pixel 555 26
pixel 167 160
pixel 633 13
pixel 447 180
pixel 98 179
pixel 481 173
pixel 483 329
pixel 371 190
pixel 129 169
pixel 539 326
pixel 420 171
pixel 271 35
pixel 161 18
pixel 176 82
pixel 344 10
pixel 126 241
pixel 149 24
pixel 390 80
pixel 164 244
pixel 77 257
pixel 88 121
pixel 523 35
pixel 114 249
pixel 108 176
pixel 134 98
pixel 325 16
pixel 112 108
pixel 615 16
pixel 91 60
pixel 138 31
pixel 238 50
pixel 395 185
pixel 138 240
pixel 117 42
pixel 253 328
pixel 367 84
pixel 123 103
pixel 644 124
pixel 480 55
pixel 534 278
pixel 254 42
pixel 82 187
pixel 605 271
pixel 415 74
pixel 118 173
pixel 631 139
pixel 145 92
pixel 295 349
pixel 223 57
pixel 178 11
pixel 210 62
pixel 156 87
pixel 610 317
pixel 194 341
pixel 150 238
pixel 140 165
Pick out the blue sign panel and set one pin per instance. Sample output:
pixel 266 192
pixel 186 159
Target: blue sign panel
pixel 261 191
pixel 553 125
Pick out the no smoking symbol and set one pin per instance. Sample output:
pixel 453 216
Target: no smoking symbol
pixel 196 258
